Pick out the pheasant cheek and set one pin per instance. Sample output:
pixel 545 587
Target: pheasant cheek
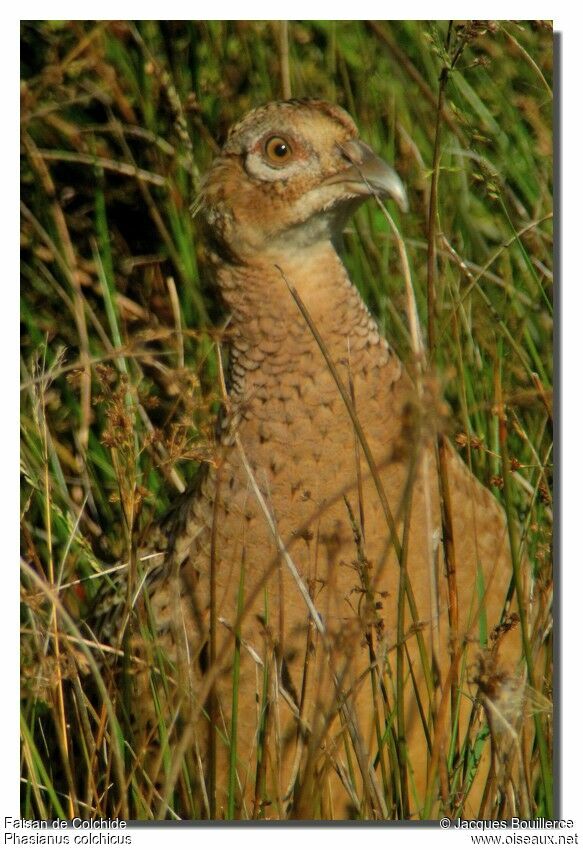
pixel 257 225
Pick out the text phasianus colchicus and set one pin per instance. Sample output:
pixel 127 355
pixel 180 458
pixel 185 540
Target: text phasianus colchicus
pixel 298 647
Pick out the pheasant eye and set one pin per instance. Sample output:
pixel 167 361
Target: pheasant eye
pixel 278 150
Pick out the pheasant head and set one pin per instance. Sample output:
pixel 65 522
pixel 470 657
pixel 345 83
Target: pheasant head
pixel 288 177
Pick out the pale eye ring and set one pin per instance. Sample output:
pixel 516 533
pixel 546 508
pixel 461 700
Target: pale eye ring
pixel 278 150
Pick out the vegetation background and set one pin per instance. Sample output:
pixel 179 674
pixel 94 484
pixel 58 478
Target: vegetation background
pixel 119 331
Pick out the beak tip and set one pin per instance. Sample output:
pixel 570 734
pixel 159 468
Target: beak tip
pixel 371 171
pixel 402 201
pixel 394 189
pixel 383 179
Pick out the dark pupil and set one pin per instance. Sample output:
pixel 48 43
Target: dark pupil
pixel 280 149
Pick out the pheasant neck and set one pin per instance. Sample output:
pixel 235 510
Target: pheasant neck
pixel 268 330
pixel 279 377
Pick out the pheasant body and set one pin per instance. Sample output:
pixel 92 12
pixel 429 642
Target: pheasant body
pixel 292 509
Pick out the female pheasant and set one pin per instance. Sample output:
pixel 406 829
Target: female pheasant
pixel 298 636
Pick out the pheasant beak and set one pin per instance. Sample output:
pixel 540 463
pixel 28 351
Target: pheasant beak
pixel 368 174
